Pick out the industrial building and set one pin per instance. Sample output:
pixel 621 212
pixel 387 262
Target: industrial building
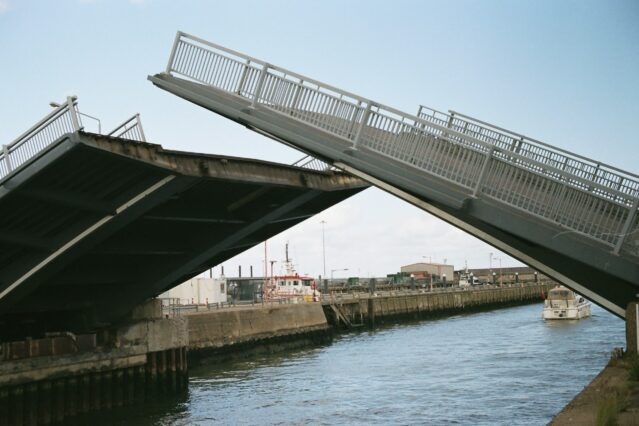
pixel 197 291
pixel 426 269
pixel 511 274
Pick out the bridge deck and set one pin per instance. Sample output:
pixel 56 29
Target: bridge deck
pixel 94 225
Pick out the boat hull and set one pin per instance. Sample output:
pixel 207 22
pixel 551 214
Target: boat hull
pixel 567 313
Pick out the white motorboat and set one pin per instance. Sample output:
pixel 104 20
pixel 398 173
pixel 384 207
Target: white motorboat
pixel 563 303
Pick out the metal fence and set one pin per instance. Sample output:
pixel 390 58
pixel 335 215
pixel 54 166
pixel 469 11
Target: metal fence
pixel 581 195
pixel 65 118
pixel 312 163
pixel 131 129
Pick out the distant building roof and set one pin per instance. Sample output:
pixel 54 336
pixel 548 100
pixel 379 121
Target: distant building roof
pixel 426 263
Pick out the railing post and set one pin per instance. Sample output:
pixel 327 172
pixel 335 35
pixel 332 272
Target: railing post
pixel 260 84
pixel 449 125
pixel 358 135
pixel 73 113
pixel 240 85
pixel 169 64
pixel 632 214
pixel 594 177
pixel 482 173
pixel 139 124
pixel 5 151
pixel 296 96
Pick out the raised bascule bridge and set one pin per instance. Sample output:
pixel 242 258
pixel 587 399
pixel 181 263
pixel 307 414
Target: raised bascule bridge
pixel 92 225
pixel 570 217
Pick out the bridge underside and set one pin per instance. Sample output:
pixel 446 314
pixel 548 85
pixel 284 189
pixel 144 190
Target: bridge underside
pixel 581 263
pixel 96 225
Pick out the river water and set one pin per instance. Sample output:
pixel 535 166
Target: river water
pixel 504 367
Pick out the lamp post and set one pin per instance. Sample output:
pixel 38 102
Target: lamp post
pixel 323 249
pixel 501 277
pixel 57 105
pixel 335 270
pixel 272 262
pixel 501 280
pixel 490 261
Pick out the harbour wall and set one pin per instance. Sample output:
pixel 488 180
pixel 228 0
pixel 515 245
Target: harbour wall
pixel 226 332
pixel 53 379
pixel 372 309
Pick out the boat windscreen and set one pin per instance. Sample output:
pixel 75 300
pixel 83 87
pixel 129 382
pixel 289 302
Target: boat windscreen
pixel 560 294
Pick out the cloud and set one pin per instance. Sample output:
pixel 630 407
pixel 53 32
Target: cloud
pixel 5 6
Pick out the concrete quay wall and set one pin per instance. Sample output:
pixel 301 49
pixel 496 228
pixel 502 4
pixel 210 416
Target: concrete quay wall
pixel 136 362
pixel 373 309
pixel 217 334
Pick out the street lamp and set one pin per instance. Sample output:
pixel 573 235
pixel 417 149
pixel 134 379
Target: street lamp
pixel 323 248
pixel 272 262
pixel 501 280
pixel 335 270
pixel 57 105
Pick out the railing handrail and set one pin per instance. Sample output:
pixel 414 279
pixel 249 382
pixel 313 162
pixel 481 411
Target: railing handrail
pixel 138 124
pixel 181 34
pixel 64 119
pixel 71 101
pixel 403 116
pixel 307 160
pixel 490 126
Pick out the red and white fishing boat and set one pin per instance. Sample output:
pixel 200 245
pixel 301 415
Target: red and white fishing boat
pixel 292 286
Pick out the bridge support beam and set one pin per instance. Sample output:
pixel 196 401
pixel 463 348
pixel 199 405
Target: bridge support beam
pixel 632 328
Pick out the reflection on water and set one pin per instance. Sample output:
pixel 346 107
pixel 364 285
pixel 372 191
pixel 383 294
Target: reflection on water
pixel 500 367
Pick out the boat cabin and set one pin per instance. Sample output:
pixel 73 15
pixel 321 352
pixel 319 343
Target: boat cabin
pixel 561 293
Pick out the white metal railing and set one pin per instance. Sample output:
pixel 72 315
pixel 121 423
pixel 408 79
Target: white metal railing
pixel 610 177
pixel 312 163
pixel 582 195
pixel 65 118
pixel 131 129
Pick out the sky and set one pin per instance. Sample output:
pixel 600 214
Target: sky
pixel 564 72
